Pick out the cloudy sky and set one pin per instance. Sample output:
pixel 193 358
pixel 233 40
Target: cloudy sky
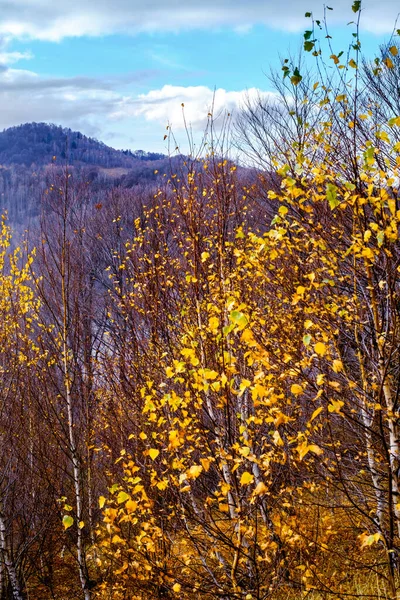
pixel 119 70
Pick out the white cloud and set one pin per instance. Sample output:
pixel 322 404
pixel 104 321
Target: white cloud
pixel 93 106
pixel 10 58
pixel 165 105
pixel 49 20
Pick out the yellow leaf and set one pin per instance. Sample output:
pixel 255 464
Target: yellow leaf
pixel 153 453
pixel 131 505
pixel 225 487
pixel 335 385
pixel 388 62
pixel 122 569
pixel 169 372
pixel 176 588
pixel 174 439
pixel 191 355
pixel 205 463
pixel 281 418
pixel 244 384
pixel 337 366
pixel 296 389
pixel 261 488
pixel 81 524
pixel 194 471
pixel 246 478
pixel 392 205
pixel 335 406
pixel 162 485
pixel 102 501
pixel 210 374
pixel 142 435
pixel 316 413
pixel 382 135
pixel 213 323
pixel 393 50
pixel 320 348
pixel 304 449
pixel 367 539
pixel 68 521
pixel 247 336
pixel 111 514
pixel 368 253
pixel 117 540
pixel 244 451
pixel 315 449
pixel 277 438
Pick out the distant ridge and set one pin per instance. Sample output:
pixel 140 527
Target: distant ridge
pixel 37 143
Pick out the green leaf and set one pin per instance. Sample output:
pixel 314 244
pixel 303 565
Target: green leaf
pixel 380 238
pixel 356 6
pixel 369 155
pixel 307 34
pixel 122 497
pixel 68 521
pixel 308 46
pixel 239 319
pixel 308 15
pixel 296 77
pixel 331 196
pixel 228 328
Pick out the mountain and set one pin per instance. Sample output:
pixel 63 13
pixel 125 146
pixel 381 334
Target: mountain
pixel 38 143
pixel 32 154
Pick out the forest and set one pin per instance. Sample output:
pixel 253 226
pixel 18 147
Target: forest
pixel 200 371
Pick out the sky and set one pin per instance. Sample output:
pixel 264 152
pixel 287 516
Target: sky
pixel 120 70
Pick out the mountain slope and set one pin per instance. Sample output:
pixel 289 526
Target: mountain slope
pixel 37 143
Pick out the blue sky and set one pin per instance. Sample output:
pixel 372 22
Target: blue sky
pixel 119 70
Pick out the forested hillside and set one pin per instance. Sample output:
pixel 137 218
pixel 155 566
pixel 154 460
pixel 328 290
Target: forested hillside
pixel 40 144
pixel 200 376
pixel 31 155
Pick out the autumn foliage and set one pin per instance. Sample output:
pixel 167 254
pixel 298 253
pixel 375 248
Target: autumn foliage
pixel 199 400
